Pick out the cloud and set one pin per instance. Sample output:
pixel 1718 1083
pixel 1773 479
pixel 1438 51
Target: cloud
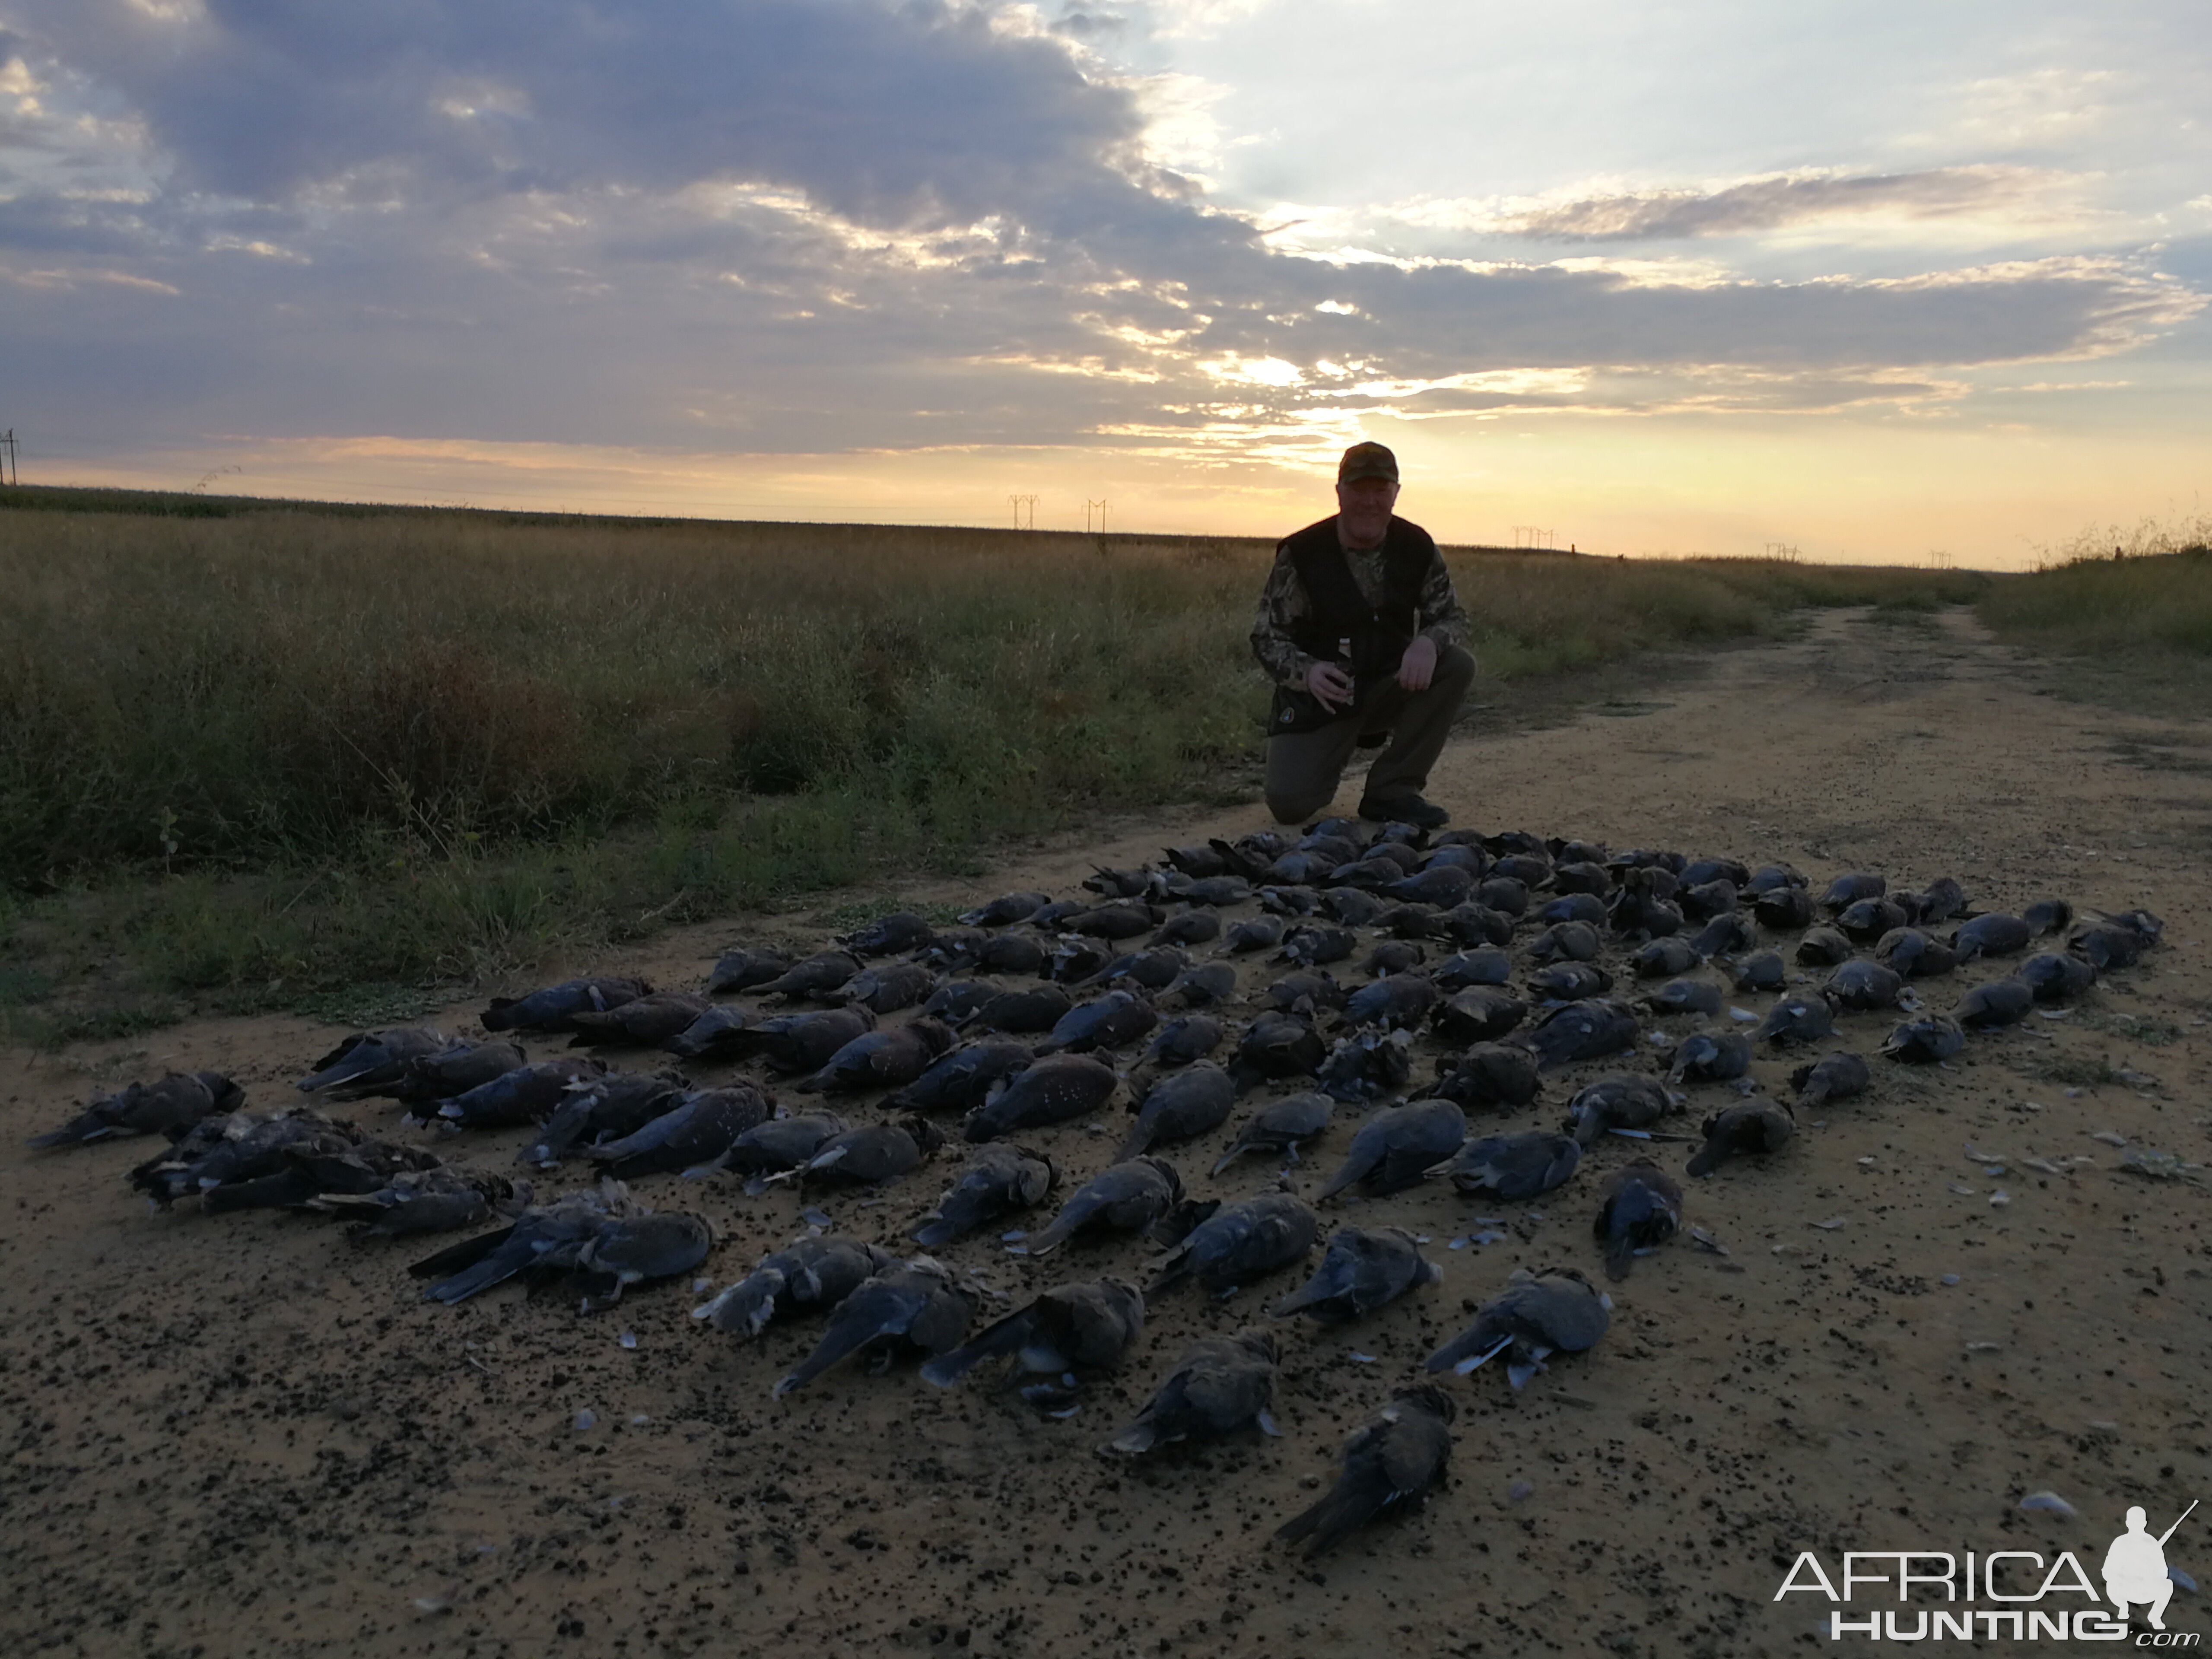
pixel 793 226
pixel 1775 201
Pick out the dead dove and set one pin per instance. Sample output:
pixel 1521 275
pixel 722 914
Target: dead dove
pixel 1052 1091
pixel 1622 1100
pixel 1362 1270
pixel 1640 1209
pixel 1239 1243
pixel 911 1306
pixel 1751 1126
pixel 1085 1327
pixel 372 1061
pixel 169 1107
pixel 553 1008
pixel 1512 1167
pixel 1833 1077
pixel 1219 1385
pixel 1135 1197
pixel 996 1181
pixel 1388 1465
pixel 1394 1146
pixel 810 1273
pixel 1281 1126
pixel 1181 1106
pixel 1555 1311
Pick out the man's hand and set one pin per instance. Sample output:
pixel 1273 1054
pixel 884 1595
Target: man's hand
pixel 1330 685
pixel 1418 666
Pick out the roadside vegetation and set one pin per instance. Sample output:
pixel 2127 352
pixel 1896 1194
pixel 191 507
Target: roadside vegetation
pixel 257 755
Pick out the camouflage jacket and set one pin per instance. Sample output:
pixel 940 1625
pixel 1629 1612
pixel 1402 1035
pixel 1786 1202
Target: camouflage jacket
pixel 1285 601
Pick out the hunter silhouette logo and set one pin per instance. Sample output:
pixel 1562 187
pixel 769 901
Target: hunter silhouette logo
pixel 2022 1595
pixel 2134 1567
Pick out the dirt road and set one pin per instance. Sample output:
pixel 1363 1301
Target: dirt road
pixel 240 1435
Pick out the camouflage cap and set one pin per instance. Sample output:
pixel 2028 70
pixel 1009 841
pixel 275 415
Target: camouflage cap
pixel 1367 460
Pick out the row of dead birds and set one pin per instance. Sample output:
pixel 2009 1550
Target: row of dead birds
pixel 602 1240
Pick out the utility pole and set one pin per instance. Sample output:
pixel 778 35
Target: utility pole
pixel 1019 502
pixel 8 451
pixel 1101 506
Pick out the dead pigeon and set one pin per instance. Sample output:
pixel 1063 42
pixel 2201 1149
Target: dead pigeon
pixel 889 936
pixel 1180 1107
pixel 1020 1012
pixel 996 1181
pixel 1823 947
pixel 799 1042
pixel 1395 1003
pixel 1394 1146
pixel 1999 1003
pixel 890 987
pixel 1833 1077
pixel 1620 1101
pixel 1640 1209
pixel 1304 995
pixel 1800 1018
pixel 1847 891
pixel 1368 1066
pixel 1579 1031
pixel 810 1273
pixel 1685 996
pixel 1208 986
pixel 528 1094
pixel 911 1307
pixel 1555 1311
pixel 1390 1465
pixel 607 1108
pixel 1863 986
pixel 418 1202
pixel 644 1022
pixel 1749 1126
pixel 1219 1385
pixel 1277 1045
pixel 552 1009
pixel 1490 1074
pixel 1923 1041
pixel 1993 934
pixel 2057 975
pixel 1182 1041
pixel 1052 1091
pixel 1281 1126
pixel 1486 966
pixel 780 1146
pixel 1006 908
pixel 962 1080
pixel 695 1135
pixel 882 1059
pixel 1762 970
pixel 1914 954
pixel 1513 1167
pixel 1084 1327
pixel 1362 1270
pixel 169 1107
pixel 1135 1197
pixel 1239 1243
pixel 1481 1013
pixel 1665 958
pixel 372 1061
pixel 874 1153
pixel 819 976
pixel 1706 1058
pixel 741 969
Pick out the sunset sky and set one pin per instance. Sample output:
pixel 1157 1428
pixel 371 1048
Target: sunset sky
pixel 1875 280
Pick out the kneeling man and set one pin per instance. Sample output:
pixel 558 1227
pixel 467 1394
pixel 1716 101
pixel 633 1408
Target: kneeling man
pixel 1366 640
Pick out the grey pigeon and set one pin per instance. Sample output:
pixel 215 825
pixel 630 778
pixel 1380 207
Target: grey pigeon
pixel 1108 1021
pixel 962 1080
pixel 1579 1031
pixel 1862 984
pixel 1513 1167
pixel 1798 1018
pixel 810 1273
pixel 1998 1003
pixel 1085 1327
pixel 636 1251
pixel 1994 935
pixel 1620 1101
pixel 528 1094
pixel 1785 910
pixel 1490 1074
pixel 1685 996
pixel 1368 1066
pixel 605 1109
pixel 958 1001
pixel 543 1238
pixel 1362 1270
pixel 1566 941
pixel 1665 958
pixel 372 1061
pixel 1304 995
pixel 873 1154
pixel 1180 1107
pixel 1052 1091
pixel 996 1181
pixel 1710 1058
pixel 1020 1012
pixel 1847 891
pixel 1006 908
pixel 1823 947
pixel 1748 1127
pixel 818 976
pixel 170 1107
pixel 889 987
pixel 1762 970
pixel 1394 1146
pixel 1259 933
pixel 882 1059
pixel 1923 1041
pixel 454 1070
pixel 1181 1041
pixel 1390 1465
pixel 553 1008
pixel 416 1202
pixel 698 1133
pixel 1400 1001
pixel 1219 1385
pixel 1135 1197
pixel 1569 981
pixel 1281 1126
pixel 1481 1013
pixel 1191 928
pixel 801 1042
pixel 1832 1077
pixel 1208 986
pixel 1640 1209
pixel 1239 1242
pixel 911 1306
pixel 644 1022
pixel 889 936
pixel 780 1146
pixel 1277 1045
pixel 1914 954
pixel 1488 966
pixel 741 969
pixel 1538 1315
pixel 2057 975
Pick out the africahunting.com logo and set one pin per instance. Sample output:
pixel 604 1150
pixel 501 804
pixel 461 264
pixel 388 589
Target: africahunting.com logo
pixel 2032 1599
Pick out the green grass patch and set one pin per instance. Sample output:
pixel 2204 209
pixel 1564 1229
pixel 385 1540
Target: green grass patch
pixel 2147 1030
pixel 262 755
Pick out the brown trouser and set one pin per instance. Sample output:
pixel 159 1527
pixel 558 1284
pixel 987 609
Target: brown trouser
pixel 1304 768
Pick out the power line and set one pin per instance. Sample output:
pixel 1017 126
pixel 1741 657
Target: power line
pixel 8 451
pixel 1019 502
pixel 1101 506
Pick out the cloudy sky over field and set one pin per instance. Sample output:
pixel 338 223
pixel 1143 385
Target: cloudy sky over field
pixel 1873 279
